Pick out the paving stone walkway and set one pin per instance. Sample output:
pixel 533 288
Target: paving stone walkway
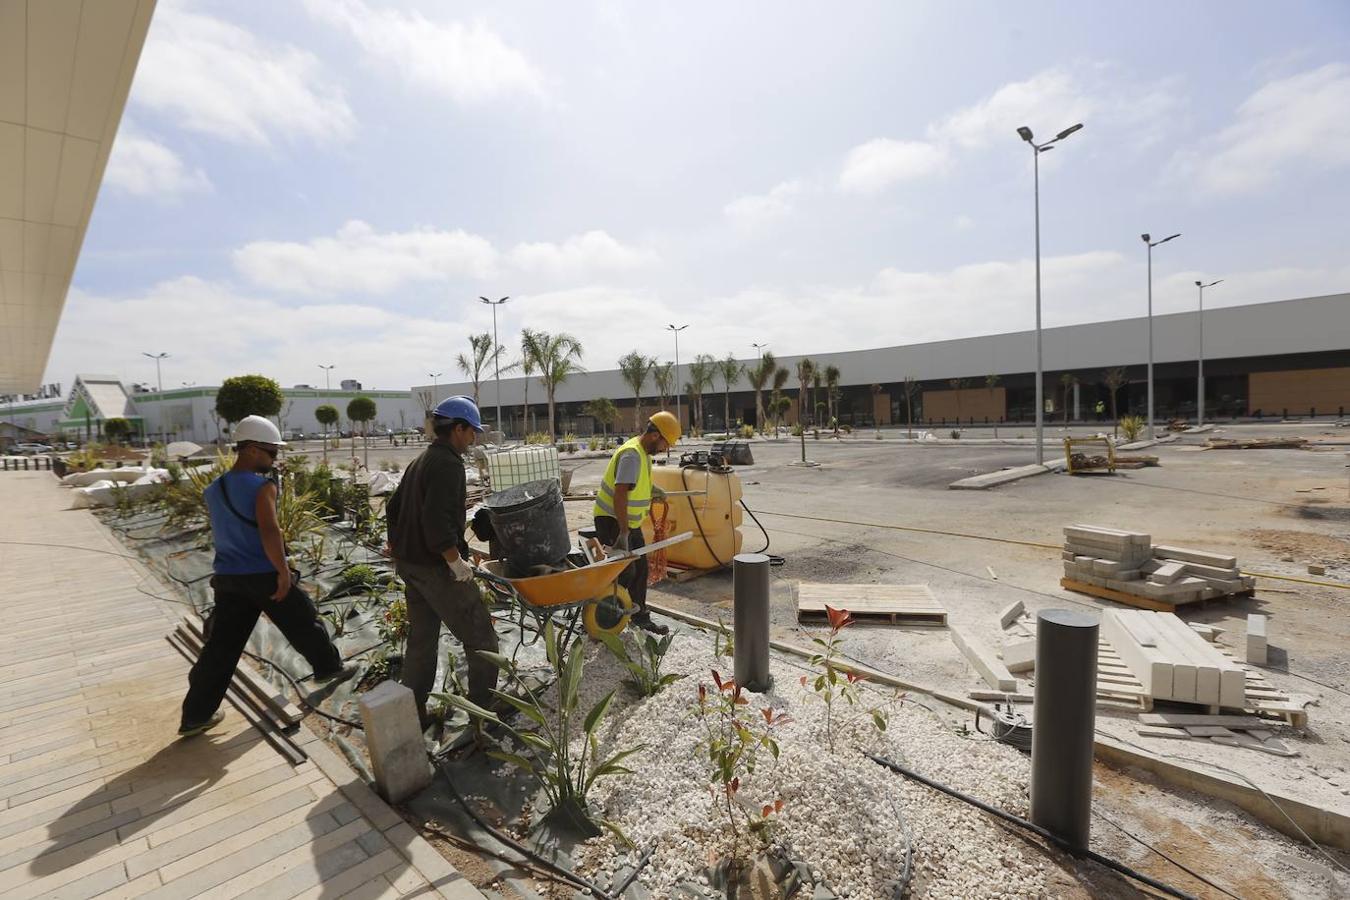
pixel 98 797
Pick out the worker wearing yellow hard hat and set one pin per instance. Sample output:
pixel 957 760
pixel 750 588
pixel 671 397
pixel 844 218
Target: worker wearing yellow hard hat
pixel 625 498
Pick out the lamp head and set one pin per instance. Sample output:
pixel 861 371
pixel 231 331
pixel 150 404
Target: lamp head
pixel 1025 132
pixel 1199 285
pixel 1146 238
pixel 1068 131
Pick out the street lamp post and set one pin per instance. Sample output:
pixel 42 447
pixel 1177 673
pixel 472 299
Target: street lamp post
pixel 678 414
pixel 435 385
pixel 327 383
pixel 1200 371
pixel 1147 239
pixel 159 388
pixel 1036 151
pixel 496 355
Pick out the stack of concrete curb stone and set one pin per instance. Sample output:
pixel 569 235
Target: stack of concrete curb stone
pixel 1128 561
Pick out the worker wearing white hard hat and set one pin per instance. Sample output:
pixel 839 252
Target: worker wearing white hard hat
pixel 251 577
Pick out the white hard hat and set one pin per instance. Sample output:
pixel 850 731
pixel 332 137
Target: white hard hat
pixel 258 430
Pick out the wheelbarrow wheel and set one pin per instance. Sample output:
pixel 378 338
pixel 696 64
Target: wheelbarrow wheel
pixel 608 614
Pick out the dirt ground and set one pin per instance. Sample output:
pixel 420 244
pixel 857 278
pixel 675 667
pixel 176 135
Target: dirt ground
pixel 1277 511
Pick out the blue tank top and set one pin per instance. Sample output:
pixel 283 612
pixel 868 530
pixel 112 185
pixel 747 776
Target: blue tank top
pixel 239 549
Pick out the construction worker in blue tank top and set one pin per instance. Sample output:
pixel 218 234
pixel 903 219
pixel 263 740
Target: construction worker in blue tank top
pixel 251 577
pixel 625 499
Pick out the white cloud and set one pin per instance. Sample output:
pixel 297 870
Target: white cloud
pixel 1049 100
pixel 580 257
pixel 219 79
pixel 963 223
pixel 754 210
pixel 359 259
pixel 1297 122
pixel 143 166
pixel 468 63
pixel 883 162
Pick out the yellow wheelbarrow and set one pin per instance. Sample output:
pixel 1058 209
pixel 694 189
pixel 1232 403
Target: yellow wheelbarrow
pixel 591 592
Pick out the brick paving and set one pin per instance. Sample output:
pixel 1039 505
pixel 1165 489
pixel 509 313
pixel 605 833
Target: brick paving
pixel 98 796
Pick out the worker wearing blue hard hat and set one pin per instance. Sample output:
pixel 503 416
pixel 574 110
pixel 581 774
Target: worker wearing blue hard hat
pixel 426 519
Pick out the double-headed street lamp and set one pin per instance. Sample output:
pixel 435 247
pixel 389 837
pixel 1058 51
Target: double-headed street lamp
pixel 678 415
pixel 1147 239
pixel 1200 372
pixel 159 387
pixel 496 355
pixel 1036 151
pixel 327 370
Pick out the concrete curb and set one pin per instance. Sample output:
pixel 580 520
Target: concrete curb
pixel 1145 444
pixel 1003 476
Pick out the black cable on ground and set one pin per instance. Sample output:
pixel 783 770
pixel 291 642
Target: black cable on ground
pixel 303 699
pixel 1033 828
pixel 774 559
pixel 470 847
pixel 508 841
pixel 632 876
pixel 1180 865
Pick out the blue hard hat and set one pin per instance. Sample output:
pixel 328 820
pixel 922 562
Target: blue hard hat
pixel 459 408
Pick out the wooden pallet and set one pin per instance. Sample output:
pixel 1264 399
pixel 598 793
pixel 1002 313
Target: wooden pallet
pixel 1116 684
pixel 1153 603
pixel 681 574
pixel 892 604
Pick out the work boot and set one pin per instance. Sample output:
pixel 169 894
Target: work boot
pixel 644 621
pixel 341 673
pixel 191 730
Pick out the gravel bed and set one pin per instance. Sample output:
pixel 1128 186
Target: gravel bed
pixel 849 819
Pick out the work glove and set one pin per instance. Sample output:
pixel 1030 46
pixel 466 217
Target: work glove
pixel 658 495
pixel 461 570
pixel 621 542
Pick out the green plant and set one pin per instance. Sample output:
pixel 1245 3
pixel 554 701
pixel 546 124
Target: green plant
pixel 1132 426
pixel 745 432
pixel 569 443
pixel 248 395
pixel 185 500
pixel 593 443
pixel 604 412
pixel 663 375
pixel 547 748
pixel 392 624
pixel 117 429
pixel 362 409
pixel 733 737
pixel 326 415
pixel 297 513
pixel 956 434
pixel 731 370
pixel 796 429
pixel 556 357
pixel 828 685
pixel 538 437
pixel 645 665
pixel 634 367
pixel 1115 379
pixel 389 465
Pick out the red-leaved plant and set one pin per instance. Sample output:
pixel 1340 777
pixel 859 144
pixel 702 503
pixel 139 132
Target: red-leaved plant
pixel 828 685
pixel 733 738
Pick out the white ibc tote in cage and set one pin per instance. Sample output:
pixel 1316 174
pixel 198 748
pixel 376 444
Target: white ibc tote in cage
pixel 509 468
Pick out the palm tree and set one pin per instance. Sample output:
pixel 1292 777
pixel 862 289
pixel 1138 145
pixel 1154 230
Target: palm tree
pixel 778 402
pixel 1115 380
pixel 663 377
pixel 557 357
pixel 528 366
pixel 911 390
pixel 634 368
pixel 815 403
pixel 730 369
pixel 480 354
pixel 805 371
pixel 958 385
pixel 876 419
pixel 832 377
pixel 702 371
pixel 991 382
pixel 759 376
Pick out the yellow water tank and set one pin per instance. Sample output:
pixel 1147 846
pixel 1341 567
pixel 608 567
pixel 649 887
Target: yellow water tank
pixel 718 513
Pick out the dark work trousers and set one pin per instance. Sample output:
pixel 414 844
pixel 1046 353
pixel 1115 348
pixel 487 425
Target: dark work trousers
pixel 239 600
pixel 434 596
pixel 634 578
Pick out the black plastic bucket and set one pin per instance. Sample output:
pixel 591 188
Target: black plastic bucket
pixel 531 525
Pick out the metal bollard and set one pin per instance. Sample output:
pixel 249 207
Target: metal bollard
pixel 1062 733
pixel 750 580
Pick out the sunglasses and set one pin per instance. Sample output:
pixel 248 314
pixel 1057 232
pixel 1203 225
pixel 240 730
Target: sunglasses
pixel 270 451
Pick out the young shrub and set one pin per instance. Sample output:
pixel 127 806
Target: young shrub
pixel 645 668
pixel 1132 426
pixel 833 683
pixel 547 734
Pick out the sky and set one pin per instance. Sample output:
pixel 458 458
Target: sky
pixel 336 182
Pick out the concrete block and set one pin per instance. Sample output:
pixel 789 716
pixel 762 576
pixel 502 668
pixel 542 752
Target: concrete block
pixel 1256 639
pixel 1163 551
pixel 995 674
pixel 1011 613
pixel 1020 656
pixel 1168 572
pixel 1107 568
pixel 1218 573
pixel 398 756
pixel 1207 731
pixel 1204 631
pixel 1162 732
pixel 1068 555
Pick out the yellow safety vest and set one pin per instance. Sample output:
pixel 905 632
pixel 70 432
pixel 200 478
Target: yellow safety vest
pixel 639 495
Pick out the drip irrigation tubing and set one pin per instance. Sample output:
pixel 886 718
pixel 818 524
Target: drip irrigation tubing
pixel 508 841
pixel 1034 829
pixel 1176 862
pixel 303 699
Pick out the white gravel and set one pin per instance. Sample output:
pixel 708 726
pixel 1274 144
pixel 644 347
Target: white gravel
pixel 844 815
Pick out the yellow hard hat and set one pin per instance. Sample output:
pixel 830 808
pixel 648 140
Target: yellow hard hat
pixel 668 425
